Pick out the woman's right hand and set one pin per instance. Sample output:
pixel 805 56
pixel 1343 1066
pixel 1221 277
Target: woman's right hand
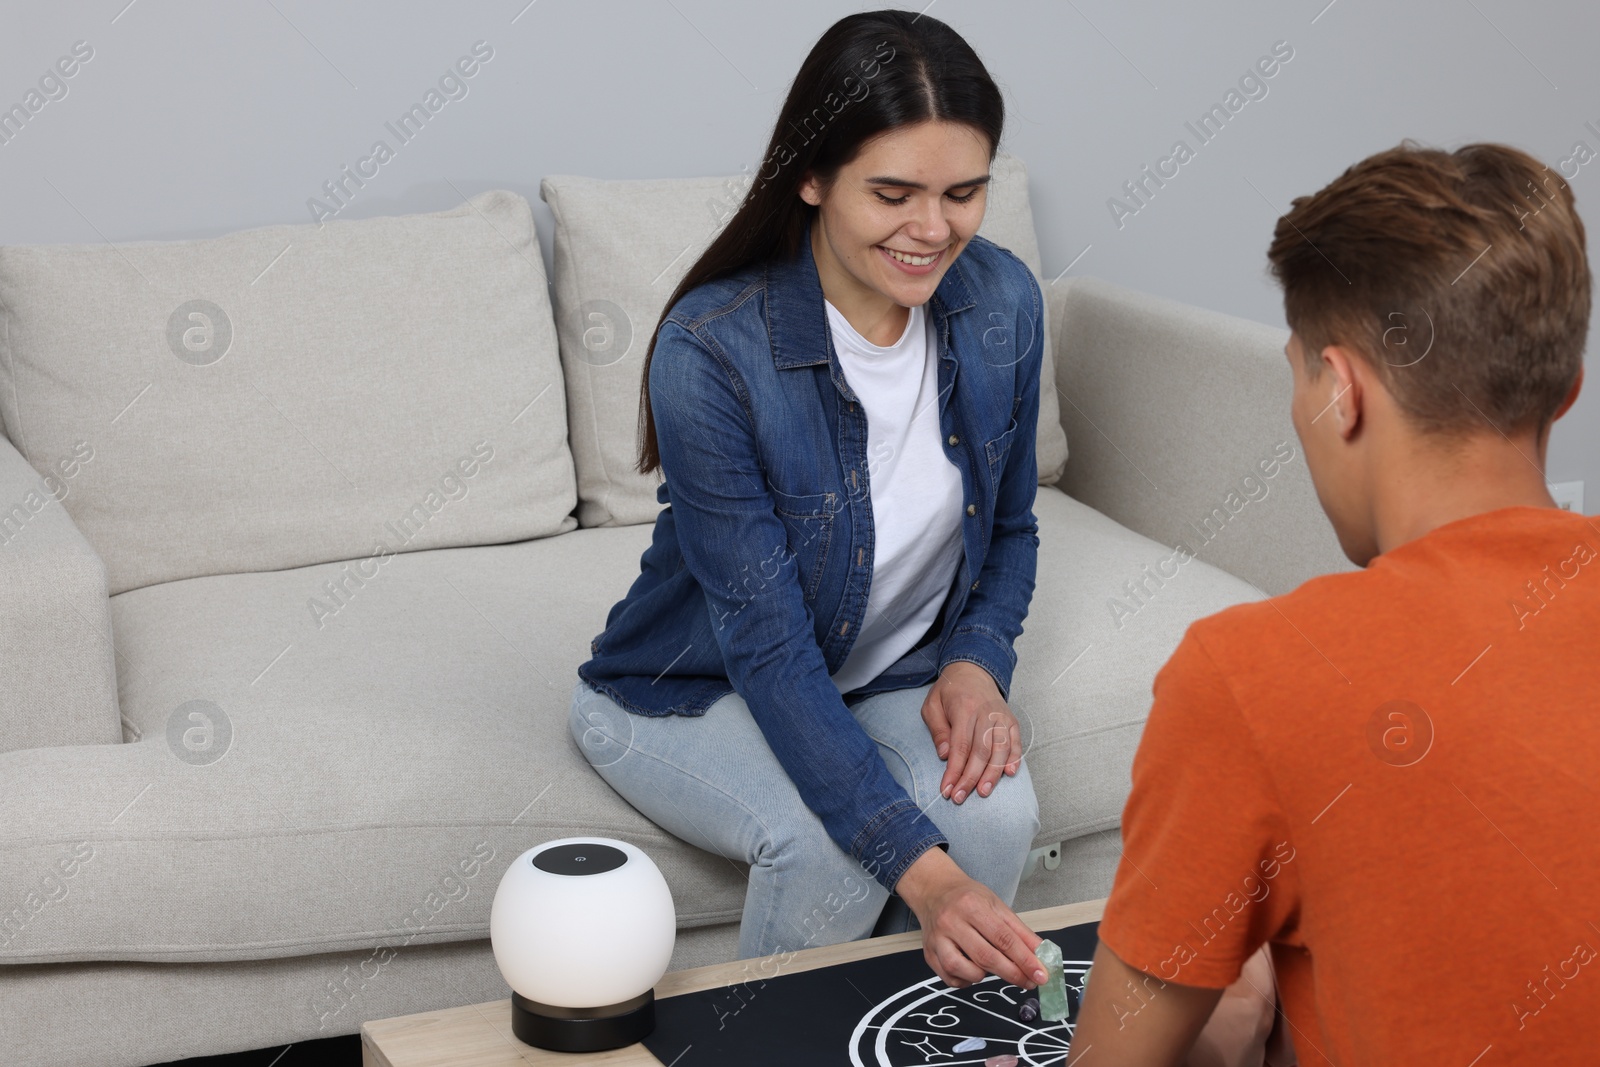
pixel 967 931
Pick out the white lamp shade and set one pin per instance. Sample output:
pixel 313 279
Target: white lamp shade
pixel 582 926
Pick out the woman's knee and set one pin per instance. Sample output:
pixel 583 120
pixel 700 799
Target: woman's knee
pixel 1008 815
pixel 801 845
pixel 828 896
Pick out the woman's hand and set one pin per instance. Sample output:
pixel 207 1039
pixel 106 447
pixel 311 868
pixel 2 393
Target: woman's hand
pixel 973 730
pixel 967 931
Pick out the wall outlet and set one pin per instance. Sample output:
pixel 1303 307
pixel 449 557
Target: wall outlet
pixel 1568 496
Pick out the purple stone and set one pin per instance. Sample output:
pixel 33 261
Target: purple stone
pixel 1029 1010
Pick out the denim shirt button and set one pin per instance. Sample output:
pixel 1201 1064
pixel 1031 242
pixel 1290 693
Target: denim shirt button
pixel 974 585
pixel 954 440
pixel 972 509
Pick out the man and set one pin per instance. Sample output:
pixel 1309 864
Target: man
pixel 1389 776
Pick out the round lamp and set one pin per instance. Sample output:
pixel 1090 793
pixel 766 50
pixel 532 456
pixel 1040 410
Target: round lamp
pixel 582 929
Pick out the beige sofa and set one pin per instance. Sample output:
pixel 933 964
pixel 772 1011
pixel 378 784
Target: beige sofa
pixel 304 530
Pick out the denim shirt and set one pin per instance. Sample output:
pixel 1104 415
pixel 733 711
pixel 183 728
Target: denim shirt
pixel 756 578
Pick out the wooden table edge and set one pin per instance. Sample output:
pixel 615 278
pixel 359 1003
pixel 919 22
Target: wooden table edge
pixel 496 1014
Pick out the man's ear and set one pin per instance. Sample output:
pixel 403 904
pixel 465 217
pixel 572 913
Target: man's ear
pixel 1346 387
pixel 1566 405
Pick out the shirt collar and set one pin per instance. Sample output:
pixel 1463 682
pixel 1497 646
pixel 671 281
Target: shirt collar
pixel 796 319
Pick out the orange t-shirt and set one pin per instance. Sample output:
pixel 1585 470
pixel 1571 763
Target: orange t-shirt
pixel 1393 776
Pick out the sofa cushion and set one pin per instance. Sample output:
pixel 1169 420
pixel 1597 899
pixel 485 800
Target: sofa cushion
pixel 621 247
pixel 293 394
pixel 312 783
pixel 351 779
pixel 1089 653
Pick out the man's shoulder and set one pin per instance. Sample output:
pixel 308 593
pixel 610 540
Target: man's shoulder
pixel 1302 642
pixel 1257 620
pixel 1438 571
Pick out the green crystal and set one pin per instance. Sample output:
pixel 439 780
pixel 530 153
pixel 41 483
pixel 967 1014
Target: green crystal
pixel 1053 992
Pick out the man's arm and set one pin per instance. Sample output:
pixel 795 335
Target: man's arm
pixel 1154 1022
pixel 1129 1017
pixel 1204 824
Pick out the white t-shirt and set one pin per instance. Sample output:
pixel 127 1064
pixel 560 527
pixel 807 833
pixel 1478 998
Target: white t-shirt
pixel 915 491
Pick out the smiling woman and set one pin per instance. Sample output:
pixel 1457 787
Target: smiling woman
pixel 907 205
pixel 810 674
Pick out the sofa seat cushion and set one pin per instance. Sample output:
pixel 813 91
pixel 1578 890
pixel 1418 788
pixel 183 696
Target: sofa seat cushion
pixel 1089 653
pixel 293 394
pixel 363 777
pixel 368 775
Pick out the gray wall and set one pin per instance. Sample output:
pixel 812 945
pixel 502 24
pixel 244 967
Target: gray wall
pixel 194 119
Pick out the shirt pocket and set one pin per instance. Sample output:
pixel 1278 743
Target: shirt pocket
pixel 995 451
pixel 808 522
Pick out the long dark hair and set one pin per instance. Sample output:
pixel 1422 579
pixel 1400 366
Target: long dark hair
pixel 870 72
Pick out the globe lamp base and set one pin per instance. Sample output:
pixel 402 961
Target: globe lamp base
pixel 559 1029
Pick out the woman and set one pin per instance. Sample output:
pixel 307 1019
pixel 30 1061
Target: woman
pixel 809 674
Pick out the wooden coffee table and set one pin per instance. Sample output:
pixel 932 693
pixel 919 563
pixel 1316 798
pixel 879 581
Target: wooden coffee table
pixel 479 1035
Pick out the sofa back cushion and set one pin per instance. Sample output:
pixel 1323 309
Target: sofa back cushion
pixel 621 247
pixel 293 394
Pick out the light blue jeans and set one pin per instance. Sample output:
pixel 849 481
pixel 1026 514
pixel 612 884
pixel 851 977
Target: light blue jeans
pixel 713 781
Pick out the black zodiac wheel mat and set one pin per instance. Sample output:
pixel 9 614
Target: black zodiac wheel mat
pixel 889 1011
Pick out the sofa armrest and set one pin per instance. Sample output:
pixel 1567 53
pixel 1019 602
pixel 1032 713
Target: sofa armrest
pixel 1179 424
pixel 58 679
